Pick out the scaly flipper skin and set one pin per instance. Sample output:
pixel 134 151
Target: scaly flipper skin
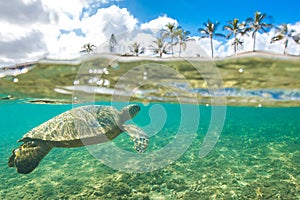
pixel 28 156
pixel 139 137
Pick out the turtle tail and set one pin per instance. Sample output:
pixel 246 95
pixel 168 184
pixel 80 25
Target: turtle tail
pixel 28 156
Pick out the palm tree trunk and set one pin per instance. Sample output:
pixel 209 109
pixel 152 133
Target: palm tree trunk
pixel 254 38
pixel 172 46
pixel 284 51
pixel 235 49
pixel 235 44
pixel 285 46
pixel 179 49
pixel 212 48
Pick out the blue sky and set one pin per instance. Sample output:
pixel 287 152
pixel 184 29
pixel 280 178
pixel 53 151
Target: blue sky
pixel 191 14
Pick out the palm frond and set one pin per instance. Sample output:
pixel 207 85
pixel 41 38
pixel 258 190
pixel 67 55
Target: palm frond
pixel 277 38
pixel 204 36
pixel 296 38
pixel 264 30
pixel 249 20
pixel 228 27
pixel 203 31
pixel 220 35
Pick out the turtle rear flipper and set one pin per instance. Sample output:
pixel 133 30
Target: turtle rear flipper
pixel 28 156
pixel 139 137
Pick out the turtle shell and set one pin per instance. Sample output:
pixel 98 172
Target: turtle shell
pixel 83 122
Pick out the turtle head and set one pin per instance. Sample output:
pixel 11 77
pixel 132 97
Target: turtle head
pixel 129 112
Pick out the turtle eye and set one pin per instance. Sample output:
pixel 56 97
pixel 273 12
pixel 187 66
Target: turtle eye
pixel 137 107
pixel 134 110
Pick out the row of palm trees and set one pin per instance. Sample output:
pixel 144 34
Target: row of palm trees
pixel 254 25
pixel 235 29
pixel 173 35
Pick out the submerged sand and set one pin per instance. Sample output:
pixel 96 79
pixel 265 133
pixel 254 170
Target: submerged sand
pixel 257 157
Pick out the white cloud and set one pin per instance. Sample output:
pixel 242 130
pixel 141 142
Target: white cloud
pixel 72 8
pixel 159 23
pixel 107 21
pixel 15 48
pixel 36 36
pixel 22 12
pixel 97 29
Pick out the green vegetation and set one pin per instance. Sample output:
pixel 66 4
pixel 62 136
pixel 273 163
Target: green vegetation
pixel 88 48
pixel 168 38
pixel 283 33
pixel 171 32
pixel 183 37
pixel 256 24
pixel 135 48
pixel 160 45
pixel 209 31
pixel 235 28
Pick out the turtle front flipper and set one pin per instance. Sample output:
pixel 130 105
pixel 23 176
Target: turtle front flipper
pixel 28 156
pixel 139 137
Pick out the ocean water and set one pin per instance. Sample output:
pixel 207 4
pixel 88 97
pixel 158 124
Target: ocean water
pixel 257 155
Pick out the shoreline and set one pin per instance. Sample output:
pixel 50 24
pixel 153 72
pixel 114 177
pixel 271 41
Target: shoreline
pixel 122 58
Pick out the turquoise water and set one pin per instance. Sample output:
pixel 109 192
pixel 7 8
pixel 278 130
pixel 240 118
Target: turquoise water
pixel 257 157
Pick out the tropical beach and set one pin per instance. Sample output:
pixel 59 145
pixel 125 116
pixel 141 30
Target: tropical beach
pixel 191 107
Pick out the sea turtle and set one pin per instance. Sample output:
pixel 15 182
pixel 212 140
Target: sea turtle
pixel 85 125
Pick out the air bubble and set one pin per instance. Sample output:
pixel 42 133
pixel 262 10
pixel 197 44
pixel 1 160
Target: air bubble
pixel 105 71
pixel 100 82
pixel 15 80
pixel 76 82
pixel 106 82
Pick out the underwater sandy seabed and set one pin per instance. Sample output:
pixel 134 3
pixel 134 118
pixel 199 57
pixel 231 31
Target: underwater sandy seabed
pixel 256 157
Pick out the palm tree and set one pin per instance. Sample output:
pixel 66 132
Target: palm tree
pixel 88 48
pixel 283 33
pixel 236 42
pixel 160 45
pixel 183 37
pixel 209 32
pixel 256 24
pixel 112 43
pixel 171 32
pixel 235 27
pixel 135 48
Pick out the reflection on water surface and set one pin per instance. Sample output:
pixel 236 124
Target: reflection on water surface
pixel 246 80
